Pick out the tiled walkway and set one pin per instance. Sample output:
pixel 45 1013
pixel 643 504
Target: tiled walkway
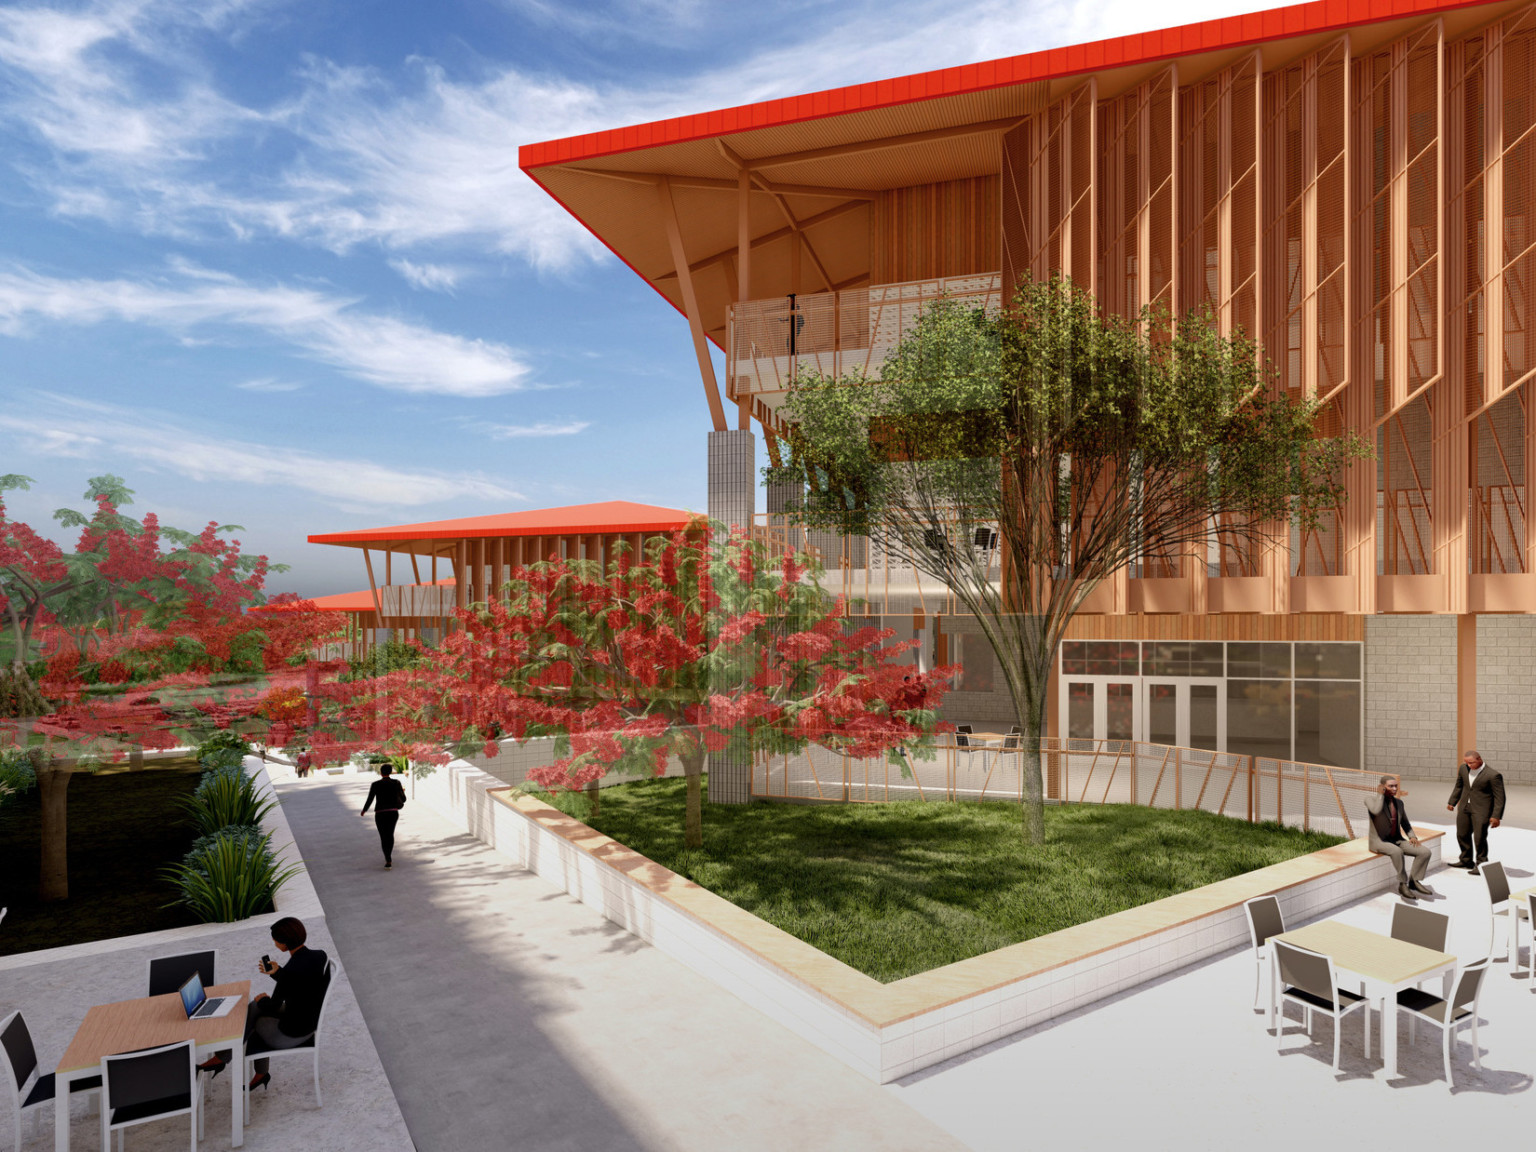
pixel 1184 1063
pixel 508 1016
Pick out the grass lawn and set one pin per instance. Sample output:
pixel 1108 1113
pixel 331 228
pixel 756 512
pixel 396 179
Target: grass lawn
pixel 897 889
pixel 123 828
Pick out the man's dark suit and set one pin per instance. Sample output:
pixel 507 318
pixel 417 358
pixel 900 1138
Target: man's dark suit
pixel 1476 802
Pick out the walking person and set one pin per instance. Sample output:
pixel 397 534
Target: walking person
pixel 1478 801
pixel 390 795
pixel 1392 835
pixel 304 763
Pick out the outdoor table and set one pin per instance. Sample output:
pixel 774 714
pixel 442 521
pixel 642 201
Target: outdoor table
pixel 130 1025
pixel 1385 967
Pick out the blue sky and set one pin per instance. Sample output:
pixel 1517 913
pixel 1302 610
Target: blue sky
pixel 274 262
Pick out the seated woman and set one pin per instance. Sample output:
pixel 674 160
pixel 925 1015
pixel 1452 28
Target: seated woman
pixel 291 1014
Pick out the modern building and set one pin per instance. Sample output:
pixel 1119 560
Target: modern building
pixel 475 556
pixel 1352 182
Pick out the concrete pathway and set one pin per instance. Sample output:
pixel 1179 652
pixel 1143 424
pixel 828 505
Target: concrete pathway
pixel 508 1016
pixel 1185 1063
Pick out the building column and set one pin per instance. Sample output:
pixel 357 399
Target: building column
pixel 732 501
pixel 733 477
pixel 1466 683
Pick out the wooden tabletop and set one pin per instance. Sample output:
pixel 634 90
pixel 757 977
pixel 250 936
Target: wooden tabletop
pixel 148 1023
pixel 1519 897
pixel 1366 953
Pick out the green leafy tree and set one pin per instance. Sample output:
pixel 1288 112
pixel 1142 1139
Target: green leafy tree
pixel 1088 443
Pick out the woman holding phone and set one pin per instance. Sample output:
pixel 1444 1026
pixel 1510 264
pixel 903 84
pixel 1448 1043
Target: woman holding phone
pixel 290 1015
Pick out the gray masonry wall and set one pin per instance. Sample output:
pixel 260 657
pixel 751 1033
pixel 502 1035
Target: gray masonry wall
pixel 1410 695
pixel 733 477
pixel 1506 695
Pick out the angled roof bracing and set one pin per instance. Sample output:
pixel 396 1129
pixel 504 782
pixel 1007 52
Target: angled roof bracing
pixel 818 164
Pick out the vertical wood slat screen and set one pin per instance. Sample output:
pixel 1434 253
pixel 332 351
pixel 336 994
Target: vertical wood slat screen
pixel 932 231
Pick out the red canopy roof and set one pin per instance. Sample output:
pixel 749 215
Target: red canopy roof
pixel 572 520
pixel 1228 32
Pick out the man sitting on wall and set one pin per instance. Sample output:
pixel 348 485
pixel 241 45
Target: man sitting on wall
pixel 1391 835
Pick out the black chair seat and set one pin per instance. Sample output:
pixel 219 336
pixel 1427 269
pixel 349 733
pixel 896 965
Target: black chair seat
pixel 1432 1007
pixel 1346 999
pixel 149 1109
pixel 259 1047
pixel 43 1089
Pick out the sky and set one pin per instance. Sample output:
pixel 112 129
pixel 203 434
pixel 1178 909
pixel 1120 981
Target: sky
pixel 275 265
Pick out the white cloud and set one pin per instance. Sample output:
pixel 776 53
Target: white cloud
pixel 384 350
pixel 520 431
pixel 428 277
pixel 268 384
pixel 434 160
pixel 60 426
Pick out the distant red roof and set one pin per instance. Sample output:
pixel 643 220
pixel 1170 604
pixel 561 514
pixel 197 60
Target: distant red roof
pixel 572 520
pixel 340 602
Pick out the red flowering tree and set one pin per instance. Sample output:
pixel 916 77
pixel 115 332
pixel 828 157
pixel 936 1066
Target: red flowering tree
pixel 694 649
pixel 146 641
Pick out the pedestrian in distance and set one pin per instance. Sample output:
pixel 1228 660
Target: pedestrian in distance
pixel 389 794
pixel 1392 836
pixel 304 763
pixel 1478 801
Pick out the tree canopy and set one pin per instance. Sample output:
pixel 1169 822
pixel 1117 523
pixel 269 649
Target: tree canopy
pixel 1089 443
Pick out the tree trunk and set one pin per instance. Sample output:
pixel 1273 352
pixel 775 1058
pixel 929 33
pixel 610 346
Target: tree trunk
pixel 693 776
pixel 1032 723
pixel 135 759
pixel 593 792
pixel 53 789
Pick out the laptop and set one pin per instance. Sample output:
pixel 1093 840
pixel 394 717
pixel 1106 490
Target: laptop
pixel 197 1003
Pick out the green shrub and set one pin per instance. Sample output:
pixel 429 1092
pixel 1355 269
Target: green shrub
pixel 231 875
pixel 223 799
pixel 391 656
pixel 249 833
pixel 223 750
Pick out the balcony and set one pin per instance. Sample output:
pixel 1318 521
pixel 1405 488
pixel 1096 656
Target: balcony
pixel 833 332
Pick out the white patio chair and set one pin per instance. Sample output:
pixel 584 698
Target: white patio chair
pixel 155 1084
pixel 1498 905
pixel 1309 979
pixel 33 1089
pixel 1264 920
pixel 256 1050
pixel 1462 1009
pixel 1423 927
pixel 169 973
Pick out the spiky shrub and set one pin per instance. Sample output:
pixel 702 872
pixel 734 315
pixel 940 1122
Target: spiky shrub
pixel 232 875
pixel 222 799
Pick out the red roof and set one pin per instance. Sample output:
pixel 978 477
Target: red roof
pixel 1230 32
pixel 572 520
pixel 340 602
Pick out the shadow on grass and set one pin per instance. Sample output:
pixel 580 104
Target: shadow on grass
pixel 896 889
pixel 123 828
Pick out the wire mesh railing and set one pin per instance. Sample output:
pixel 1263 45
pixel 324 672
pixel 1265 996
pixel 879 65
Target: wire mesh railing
pixel 1315 797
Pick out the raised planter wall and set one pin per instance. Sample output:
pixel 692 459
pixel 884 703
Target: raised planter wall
pixel 887 1031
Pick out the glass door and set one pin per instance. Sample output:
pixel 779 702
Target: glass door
pixel 1189 713
pixel 1099 708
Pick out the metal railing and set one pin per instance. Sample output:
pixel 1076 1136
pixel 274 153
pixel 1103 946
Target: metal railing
pixel 1309 796
pixel 835 332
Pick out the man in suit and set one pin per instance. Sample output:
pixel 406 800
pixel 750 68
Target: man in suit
pixel 1390 834
pixel 1478 801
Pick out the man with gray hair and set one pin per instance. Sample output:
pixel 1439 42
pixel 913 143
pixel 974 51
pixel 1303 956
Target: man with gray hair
pixel 1390 834
pixel 1478 801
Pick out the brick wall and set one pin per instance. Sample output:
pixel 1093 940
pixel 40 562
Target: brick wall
pixel 1410 695
pixel 1506 695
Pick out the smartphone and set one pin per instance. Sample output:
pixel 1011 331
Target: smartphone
pixel 266 961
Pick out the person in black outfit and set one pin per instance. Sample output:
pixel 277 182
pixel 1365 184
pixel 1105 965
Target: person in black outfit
pixel 390 794
pixel 291 1014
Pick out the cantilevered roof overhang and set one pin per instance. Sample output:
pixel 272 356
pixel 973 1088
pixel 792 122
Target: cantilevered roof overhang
pixel 814 163
pixel 607 517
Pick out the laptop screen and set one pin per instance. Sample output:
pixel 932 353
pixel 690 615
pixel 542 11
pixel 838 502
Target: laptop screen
pixel 192 994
